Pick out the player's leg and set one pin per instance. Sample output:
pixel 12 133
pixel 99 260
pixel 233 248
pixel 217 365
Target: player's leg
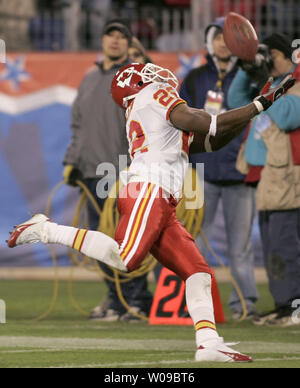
pixel 177 251
pixel 141 207
pixel 93 244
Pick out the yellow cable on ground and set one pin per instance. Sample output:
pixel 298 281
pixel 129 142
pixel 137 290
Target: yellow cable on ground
pixel 190 209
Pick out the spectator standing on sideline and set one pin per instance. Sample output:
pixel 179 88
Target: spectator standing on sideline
pixel 271 157
pixel 207 87
pixel 96 117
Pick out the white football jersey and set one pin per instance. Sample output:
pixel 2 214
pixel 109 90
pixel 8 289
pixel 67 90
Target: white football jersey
pixel 158 150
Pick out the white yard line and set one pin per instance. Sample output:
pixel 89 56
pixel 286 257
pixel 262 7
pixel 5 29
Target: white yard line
pixel 128 364
pixel 63 343
pixel 278 359
pixel 95 343
pixel 31 344
pixel 156 363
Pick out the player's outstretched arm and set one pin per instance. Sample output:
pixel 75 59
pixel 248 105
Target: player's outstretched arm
pixel 214 132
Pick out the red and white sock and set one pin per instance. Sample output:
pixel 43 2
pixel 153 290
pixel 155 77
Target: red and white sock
pixel 200 305
pixel 95 245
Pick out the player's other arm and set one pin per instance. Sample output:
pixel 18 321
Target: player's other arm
pixel 214 132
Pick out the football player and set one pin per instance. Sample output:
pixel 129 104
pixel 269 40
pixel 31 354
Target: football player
pixel 161 130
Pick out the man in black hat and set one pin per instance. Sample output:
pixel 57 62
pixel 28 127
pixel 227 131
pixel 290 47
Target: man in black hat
pixel 116 38
pixel 99 136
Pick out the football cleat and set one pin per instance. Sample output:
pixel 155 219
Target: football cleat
pixel 220 352
pixel 30 232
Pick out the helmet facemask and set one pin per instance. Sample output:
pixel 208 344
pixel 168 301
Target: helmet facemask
pixel 153 73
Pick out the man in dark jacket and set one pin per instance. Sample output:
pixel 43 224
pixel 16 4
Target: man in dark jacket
pixel 206 87
pixel 99 136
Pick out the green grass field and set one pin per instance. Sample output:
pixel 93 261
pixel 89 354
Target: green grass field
pixel 66 339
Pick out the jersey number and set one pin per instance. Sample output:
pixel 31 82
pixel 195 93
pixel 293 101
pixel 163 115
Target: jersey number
pixel 137 137
pixel 165 96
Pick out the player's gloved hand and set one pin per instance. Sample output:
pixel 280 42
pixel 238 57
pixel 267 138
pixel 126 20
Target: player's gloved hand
pixel 258 69
pixel 269 95
pixel 71 174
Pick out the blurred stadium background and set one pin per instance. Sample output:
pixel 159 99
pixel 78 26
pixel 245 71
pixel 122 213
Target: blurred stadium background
pixel 50 46
pixel 164 25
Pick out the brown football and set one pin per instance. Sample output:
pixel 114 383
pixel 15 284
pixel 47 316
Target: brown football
pixel 240 36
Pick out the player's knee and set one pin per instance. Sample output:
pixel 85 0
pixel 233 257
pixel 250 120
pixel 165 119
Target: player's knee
pixel 131 266
pixel 127 265
pixel 135 262
pixel 184 272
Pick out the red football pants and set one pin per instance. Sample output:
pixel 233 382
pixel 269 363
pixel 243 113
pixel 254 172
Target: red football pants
pixel 148 223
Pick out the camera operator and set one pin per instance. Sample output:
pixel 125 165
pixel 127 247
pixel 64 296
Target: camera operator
pixel 271 158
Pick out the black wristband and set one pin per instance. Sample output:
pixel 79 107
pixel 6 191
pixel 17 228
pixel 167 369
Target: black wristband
pixel 264 102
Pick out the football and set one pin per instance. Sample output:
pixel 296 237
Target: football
pixel 240 36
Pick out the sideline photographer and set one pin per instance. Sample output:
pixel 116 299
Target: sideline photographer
pixel 271 158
